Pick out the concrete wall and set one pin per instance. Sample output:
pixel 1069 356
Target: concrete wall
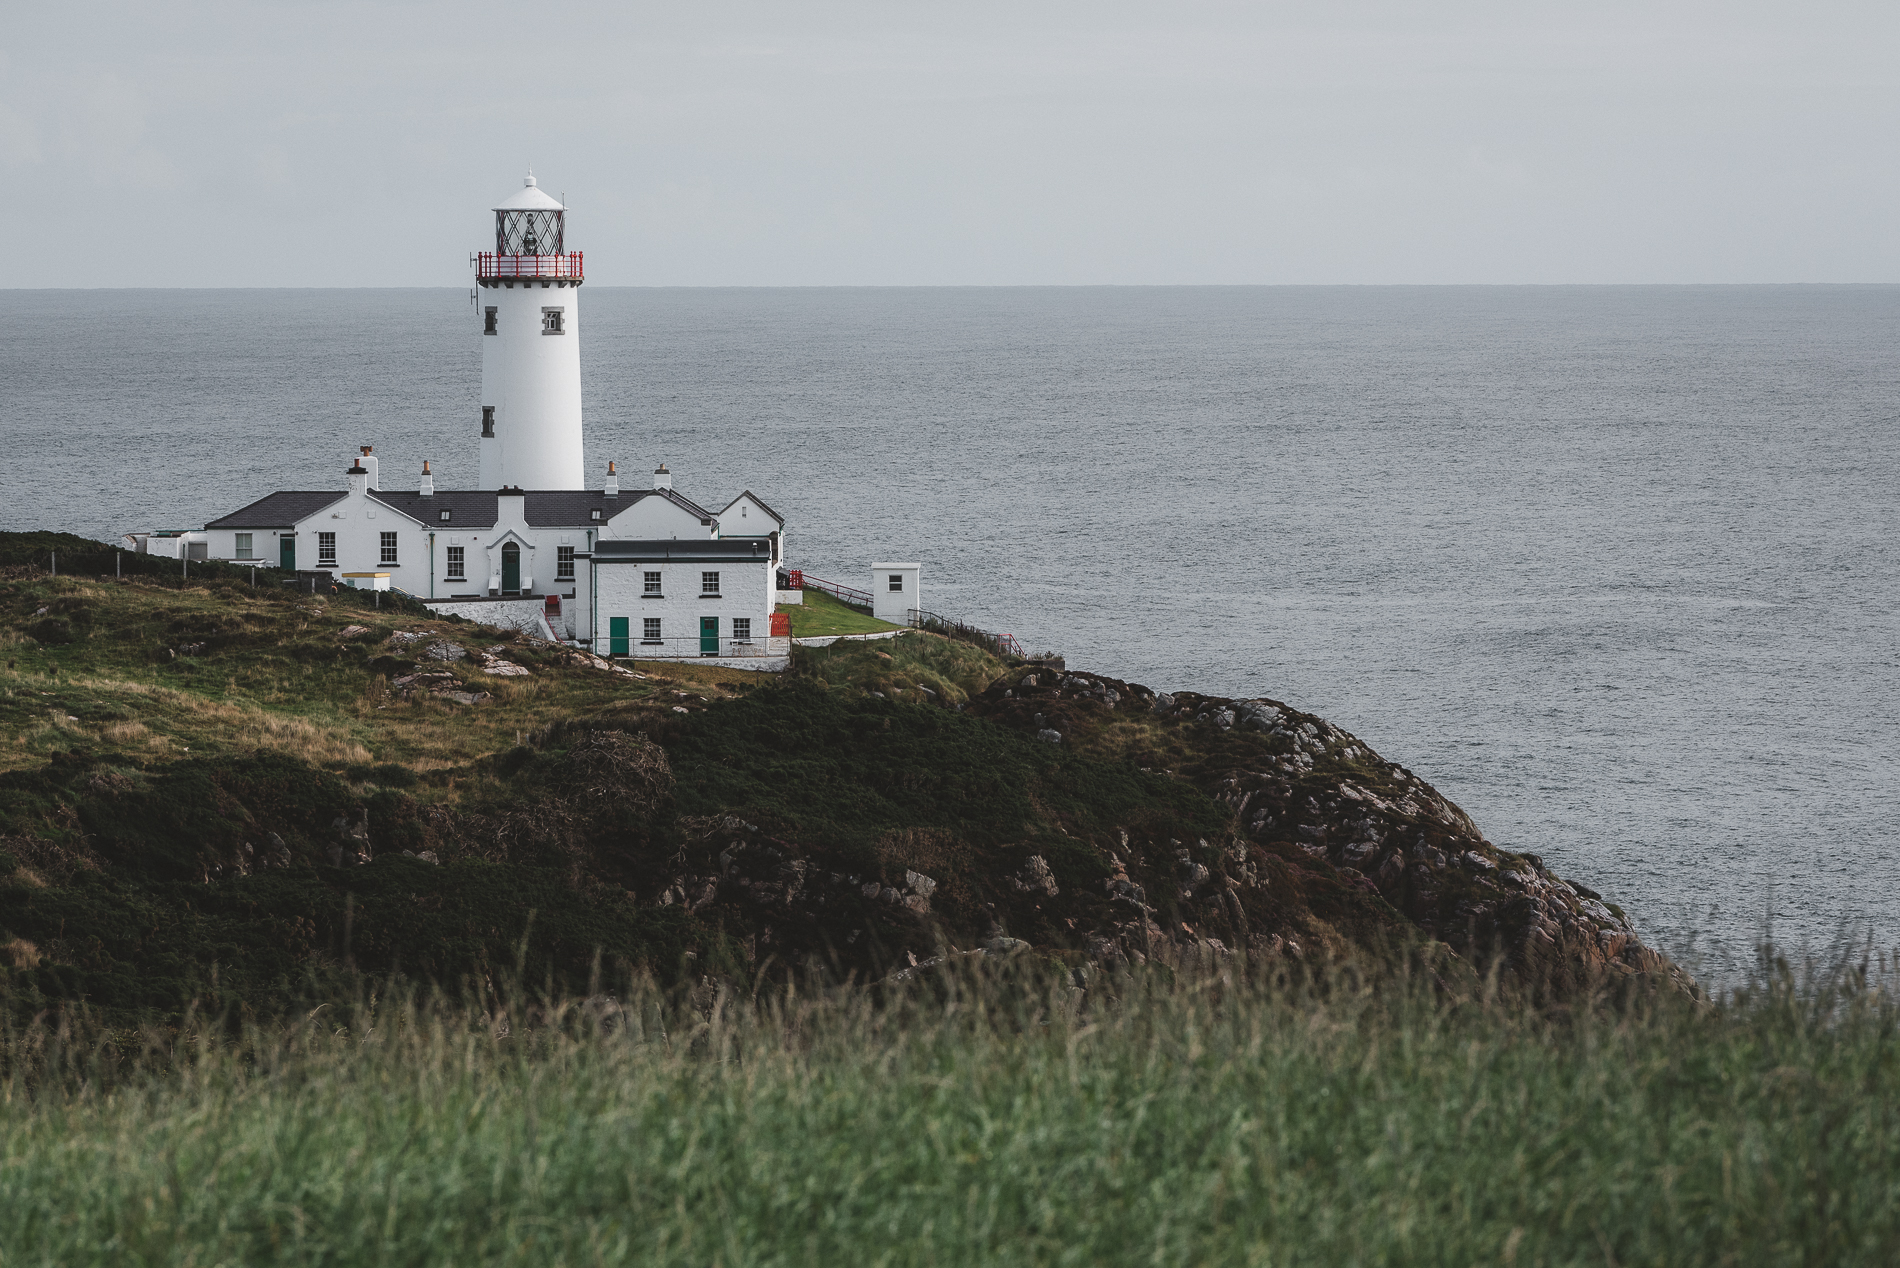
pixel 510 614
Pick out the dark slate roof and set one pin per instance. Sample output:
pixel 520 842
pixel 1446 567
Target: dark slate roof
pixel 278 510
pixel 762 506
pixel 735 550
pixel 468 508
pixel 544 508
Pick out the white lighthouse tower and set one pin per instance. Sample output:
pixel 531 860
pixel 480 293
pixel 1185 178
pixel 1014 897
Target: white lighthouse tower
pixel 531 348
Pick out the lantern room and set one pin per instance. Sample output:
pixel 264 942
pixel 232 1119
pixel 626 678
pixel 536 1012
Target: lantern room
pixel 530 223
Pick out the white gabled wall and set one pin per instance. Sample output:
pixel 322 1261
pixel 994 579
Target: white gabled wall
pixel 656 519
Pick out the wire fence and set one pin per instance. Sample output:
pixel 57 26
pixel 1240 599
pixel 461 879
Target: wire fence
pixel 993 643
pixel 106 565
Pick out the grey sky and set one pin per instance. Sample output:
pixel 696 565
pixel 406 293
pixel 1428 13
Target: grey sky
pixel 296 144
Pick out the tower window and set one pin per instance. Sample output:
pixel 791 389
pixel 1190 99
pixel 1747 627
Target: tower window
pixel 553 321
pixel 488 422
pixel 564 563
pixel 457 566
pixel 488 320
pixel 389 548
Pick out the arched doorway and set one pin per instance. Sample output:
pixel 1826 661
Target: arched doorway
pixel 511 569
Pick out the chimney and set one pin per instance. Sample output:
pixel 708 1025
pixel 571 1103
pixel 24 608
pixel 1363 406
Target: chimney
pixel 662 478
pixel 613 482
pixel 368 463
pixel 428 481
pixel 359 478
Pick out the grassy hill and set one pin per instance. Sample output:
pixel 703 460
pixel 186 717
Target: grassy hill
pixel 338 934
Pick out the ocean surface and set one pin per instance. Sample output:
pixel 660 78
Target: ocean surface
pixel 1615 568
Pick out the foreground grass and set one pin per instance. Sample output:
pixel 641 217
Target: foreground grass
pixel 1170 1126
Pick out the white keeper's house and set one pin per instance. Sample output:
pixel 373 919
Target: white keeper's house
pixel 643 572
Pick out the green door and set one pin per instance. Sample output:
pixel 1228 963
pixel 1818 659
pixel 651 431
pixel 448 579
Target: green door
pixel 616 636
pixel 511 569
pixel 708 636
pixel 287 553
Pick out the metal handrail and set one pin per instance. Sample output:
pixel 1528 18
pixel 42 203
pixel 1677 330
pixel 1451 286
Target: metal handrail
pixel 999 644
pixel 689 647
pixel 844 594
pixel 489 264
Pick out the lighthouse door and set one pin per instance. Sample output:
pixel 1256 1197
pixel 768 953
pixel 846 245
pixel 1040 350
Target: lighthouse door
pixel 708 636
pixel 511 569
pixel 287 553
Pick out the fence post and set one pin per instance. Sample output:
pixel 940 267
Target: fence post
pixel 118 563
pixel 184 563
pixel 52 561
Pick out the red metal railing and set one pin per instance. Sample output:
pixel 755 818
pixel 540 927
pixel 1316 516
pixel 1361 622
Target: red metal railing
pixel 490 265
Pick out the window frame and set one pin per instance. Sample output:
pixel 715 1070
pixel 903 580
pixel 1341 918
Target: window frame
pixel 488 422
pixel 650 630
pixel 709 585
pixel 326 548
pixel 897 582
pixel 564 563
pixel 242 546
pixel 650 587
pixel 490 317
pixel 742 629
pixel 455 567
pixel 553 320
pixel 388 546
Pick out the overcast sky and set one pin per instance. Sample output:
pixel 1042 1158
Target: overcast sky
pixel 316 144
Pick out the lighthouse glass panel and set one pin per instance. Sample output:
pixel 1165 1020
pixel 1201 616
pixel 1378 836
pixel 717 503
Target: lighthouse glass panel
pixel 528 232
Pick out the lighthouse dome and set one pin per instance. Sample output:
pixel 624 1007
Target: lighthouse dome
pixel 530 197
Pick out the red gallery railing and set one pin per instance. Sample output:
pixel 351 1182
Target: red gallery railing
pixel 489 264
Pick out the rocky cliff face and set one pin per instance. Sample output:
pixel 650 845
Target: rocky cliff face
pixel 1305 793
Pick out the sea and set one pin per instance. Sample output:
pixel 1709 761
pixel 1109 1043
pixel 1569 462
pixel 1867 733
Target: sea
pixel 1612 567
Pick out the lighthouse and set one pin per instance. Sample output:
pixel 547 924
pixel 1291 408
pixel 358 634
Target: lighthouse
pixel 531 347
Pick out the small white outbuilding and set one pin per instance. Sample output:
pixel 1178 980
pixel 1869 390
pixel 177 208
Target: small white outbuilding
pixel 896 591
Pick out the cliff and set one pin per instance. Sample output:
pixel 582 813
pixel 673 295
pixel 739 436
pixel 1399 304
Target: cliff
pixel 245 798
